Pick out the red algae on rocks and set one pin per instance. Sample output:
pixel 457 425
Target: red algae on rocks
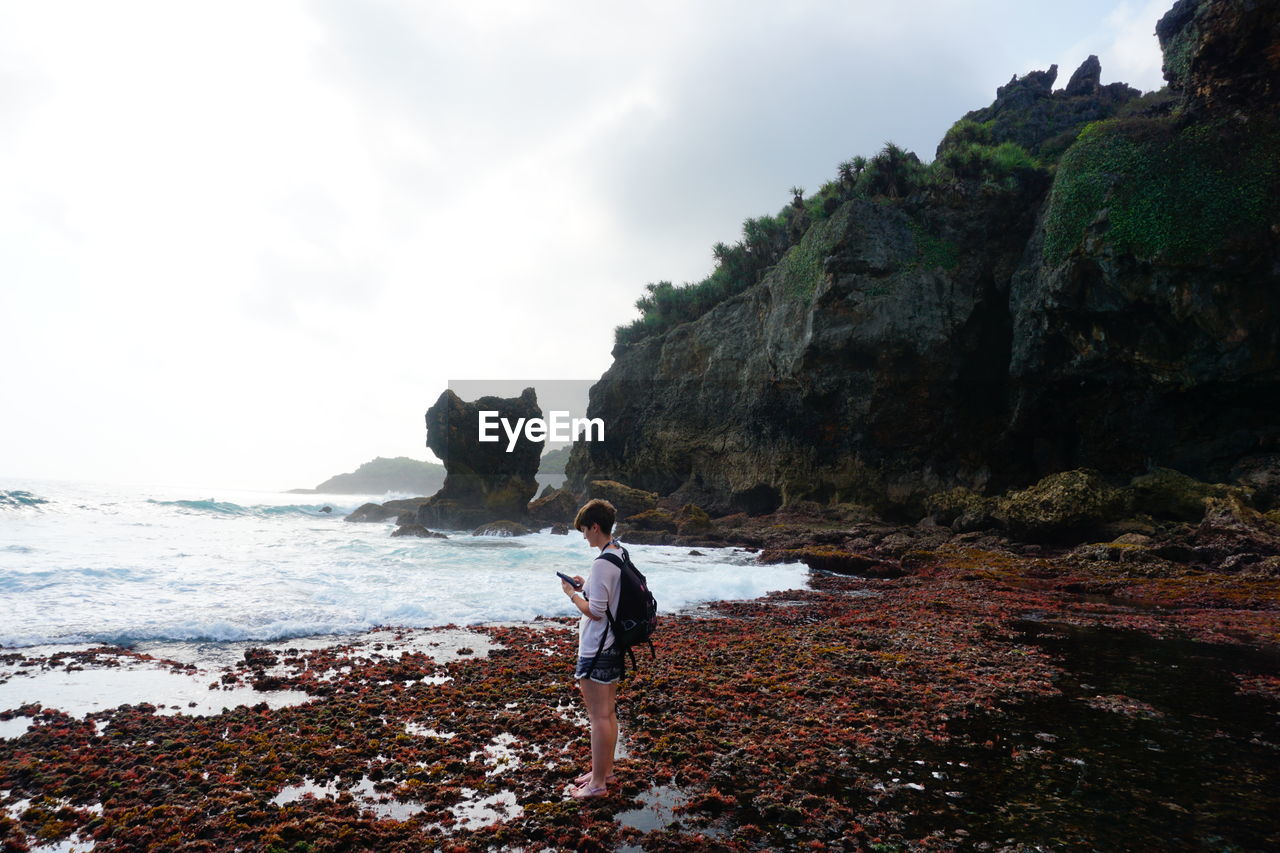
pixel 849 716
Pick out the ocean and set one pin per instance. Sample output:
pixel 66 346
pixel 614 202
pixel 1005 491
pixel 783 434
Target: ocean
pixel 125 565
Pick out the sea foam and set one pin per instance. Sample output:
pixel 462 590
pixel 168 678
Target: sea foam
pixel 128 566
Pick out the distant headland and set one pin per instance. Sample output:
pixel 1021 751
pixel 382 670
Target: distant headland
pixel 401 474
pixel 417 477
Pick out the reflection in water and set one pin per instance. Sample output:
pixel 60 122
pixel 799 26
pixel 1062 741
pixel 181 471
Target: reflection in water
pixel 1150 739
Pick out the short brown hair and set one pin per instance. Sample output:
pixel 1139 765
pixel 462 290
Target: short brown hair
pixel 595 511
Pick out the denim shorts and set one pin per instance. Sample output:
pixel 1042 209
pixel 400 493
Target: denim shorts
pixel 608 668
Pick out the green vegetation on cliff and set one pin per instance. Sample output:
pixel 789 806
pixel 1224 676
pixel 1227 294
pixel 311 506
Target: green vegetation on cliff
pixel 801 268
pixel 891 176
pixel 1163 187
pixel 400 474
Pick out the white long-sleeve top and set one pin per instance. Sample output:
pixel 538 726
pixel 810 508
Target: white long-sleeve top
pixel 603 587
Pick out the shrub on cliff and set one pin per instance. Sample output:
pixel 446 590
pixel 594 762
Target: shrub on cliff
pixel 893 173
pixel 765 240
pixel 998 164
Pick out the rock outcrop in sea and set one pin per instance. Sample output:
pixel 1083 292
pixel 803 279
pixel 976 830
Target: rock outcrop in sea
pixel 1086 278
pixel 484 482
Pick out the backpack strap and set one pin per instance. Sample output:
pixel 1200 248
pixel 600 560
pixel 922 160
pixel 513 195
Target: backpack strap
pixel 596 657
pixel 617 561
pixel 614 558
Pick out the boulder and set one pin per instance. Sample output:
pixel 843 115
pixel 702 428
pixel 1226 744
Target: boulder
pixel 483 481
pixel 1061 506
pixel 372 512
pixel 418 530
pixel 963 509
pixel 559 529
pixel 406 504
pixel 652 519
pixel 1261 473
pixel 1165 493
pixel 626 500
pixel 1231 527
pixel 692 520
pixel 501 528
pixel 554 505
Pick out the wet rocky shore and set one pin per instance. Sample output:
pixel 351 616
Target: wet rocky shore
pixel 984 695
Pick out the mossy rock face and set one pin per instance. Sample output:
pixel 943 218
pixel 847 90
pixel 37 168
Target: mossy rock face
pixel 801 269
pixel 501 528
pixel 1165 493
pixel 652 519
pixel 1162 189
pixel 1063 505
pixel 417 530
pixel 626 500
pixel 692 520
pixel 556 505
pixel 372 512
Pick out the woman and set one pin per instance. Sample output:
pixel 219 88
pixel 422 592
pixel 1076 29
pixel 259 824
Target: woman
pixel 599 663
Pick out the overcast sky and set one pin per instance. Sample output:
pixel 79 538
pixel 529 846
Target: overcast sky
pixel 247 244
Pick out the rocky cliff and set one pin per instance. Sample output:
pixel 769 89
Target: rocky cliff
pixel 1114 305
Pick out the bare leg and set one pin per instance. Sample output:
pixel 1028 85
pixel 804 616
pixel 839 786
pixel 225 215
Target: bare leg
pixel 601 702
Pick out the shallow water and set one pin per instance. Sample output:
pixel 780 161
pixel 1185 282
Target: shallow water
pixel 1150 745
pixel 79 686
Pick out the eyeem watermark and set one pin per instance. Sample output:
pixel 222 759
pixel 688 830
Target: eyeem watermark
pixel 559 427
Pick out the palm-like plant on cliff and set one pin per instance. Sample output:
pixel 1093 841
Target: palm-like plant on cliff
pixel 892 173
pixel 850 170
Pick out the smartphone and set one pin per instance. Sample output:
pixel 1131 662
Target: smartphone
pixel 570 581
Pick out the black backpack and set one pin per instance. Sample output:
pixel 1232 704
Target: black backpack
pixel 637 616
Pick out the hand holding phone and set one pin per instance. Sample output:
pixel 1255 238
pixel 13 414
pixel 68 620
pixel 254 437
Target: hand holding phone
pixel 570 581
